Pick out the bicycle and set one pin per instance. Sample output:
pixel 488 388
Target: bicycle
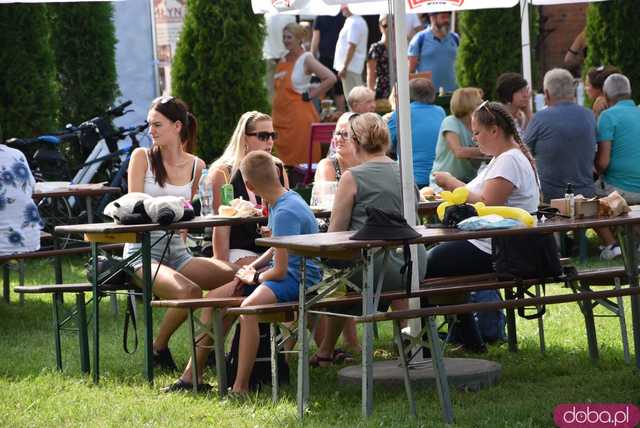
pixel 48 163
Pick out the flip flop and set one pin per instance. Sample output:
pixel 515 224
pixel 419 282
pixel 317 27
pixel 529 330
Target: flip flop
pixel 316 361
pixel 341 356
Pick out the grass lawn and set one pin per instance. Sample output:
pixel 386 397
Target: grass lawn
pixel 33 393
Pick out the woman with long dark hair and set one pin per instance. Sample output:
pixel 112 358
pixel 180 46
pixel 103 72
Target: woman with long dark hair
pixel 169 168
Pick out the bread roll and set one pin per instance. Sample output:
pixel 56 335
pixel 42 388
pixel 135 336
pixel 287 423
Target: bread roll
pixel 227 211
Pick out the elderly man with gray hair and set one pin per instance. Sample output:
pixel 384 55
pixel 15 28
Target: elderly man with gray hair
pixel 562 138
pixel 618 157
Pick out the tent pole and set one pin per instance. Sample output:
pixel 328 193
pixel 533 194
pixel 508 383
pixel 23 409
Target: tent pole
pixel 526 42
pixel 405 152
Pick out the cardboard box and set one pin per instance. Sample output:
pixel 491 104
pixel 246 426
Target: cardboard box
pixel 585 208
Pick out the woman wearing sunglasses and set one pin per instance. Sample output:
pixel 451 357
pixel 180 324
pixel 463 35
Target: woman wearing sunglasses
pixel 510 179
pixel 169 168
pixel 254 131
pixel 344 156
pixel 374 183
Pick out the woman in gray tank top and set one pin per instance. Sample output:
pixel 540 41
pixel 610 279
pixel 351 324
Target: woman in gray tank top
pixel 374 183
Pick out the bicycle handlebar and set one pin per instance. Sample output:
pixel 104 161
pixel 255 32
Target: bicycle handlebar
pixel 118 110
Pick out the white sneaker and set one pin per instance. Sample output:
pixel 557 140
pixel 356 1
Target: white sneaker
pixel 610 252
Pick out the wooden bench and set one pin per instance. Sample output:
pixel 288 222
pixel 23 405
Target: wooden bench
pixel 56 253
pixel 430 288
pixel 397 316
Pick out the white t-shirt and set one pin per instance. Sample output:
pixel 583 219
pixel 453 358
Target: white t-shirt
pixel 354 31
pixel 273 48
pixel 514 167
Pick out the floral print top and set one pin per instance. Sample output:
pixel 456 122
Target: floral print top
pixel 20 222
pixel 378 51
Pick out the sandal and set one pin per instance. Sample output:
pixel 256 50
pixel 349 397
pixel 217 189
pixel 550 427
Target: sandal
pixel 184 386
pixel 340 356
pixel 317 360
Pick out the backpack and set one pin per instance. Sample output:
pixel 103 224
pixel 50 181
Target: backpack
pixel 261 373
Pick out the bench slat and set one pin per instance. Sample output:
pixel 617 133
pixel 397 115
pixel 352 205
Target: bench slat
pixel 59 252
pixel 218 302
pixel 54 288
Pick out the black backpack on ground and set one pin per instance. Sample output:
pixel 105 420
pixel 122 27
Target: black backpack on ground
pixel 261 374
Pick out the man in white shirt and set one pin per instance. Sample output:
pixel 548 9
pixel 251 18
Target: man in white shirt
pixel 273 48
pixel 351 50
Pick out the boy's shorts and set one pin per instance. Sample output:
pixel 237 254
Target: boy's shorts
pixel 285 290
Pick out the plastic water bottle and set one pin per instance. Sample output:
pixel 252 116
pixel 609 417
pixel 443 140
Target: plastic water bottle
pixel 205 195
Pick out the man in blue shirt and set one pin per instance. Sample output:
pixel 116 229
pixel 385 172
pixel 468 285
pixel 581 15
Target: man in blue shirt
pixel 618 154
pixel 426 119
pixel 435 49
pixel 562 138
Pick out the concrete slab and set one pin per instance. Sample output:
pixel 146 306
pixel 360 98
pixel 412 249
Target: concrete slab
pixel 464 373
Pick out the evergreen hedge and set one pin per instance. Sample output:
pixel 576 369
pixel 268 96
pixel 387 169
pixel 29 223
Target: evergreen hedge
pixel 28 92
pixel 83 39
pixel 218 68
pixel 611 38
pixel 490 44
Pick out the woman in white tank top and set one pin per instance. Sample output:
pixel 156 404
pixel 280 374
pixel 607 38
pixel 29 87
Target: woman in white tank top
pixel 169 168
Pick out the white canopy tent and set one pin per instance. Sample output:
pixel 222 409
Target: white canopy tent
pixel 399 8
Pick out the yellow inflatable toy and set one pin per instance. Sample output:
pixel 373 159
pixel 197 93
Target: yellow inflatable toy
pixel 459 196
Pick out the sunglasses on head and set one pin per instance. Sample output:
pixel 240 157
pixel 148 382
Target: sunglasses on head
pixel 353 133
pixel 548 213
pixel 263 135
pixel 163 99
pixel 485 105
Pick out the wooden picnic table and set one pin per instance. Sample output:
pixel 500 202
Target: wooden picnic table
pixel 338 245
pixel 87 191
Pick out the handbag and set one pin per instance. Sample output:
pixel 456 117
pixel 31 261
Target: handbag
pixel 521 257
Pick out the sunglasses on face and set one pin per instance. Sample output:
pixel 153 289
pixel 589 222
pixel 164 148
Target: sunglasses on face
pixel 263 135
pixel 341 134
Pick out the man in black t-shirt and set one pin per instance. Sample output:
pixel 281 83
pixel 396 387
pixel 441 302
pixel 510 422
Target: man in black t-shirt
pixel 323 46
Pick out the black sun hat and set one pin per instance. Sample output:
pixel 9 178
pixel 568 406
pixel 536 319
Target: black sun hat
pixel 385 225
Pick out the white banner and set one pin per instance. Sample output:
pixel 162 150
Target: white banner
pixel 372 7
pixel 550 2
pixel 49 1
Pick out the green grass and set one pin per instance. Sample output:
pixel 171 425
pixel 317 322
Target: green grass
pixel 33 393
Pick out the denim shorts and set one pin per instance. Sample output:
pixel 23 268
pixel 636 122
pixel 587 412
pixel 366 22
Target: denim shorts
pixel 176 255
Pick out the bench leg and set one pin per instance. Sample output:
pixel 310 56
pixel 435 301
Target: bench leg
pixel 218 348
pixel 631 264
pixel 21 279
pixel 543 346
pixel 57 301
pixel 397 336
pixel 274 362
pixel 83 335
pixel 6 282
pixel 512 338
pixel 440 371
pixel 194 352
pixel 303 341
pixel 590 325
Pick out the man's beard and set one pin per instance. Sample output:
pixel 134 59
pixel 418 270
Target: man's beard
pixel 444 29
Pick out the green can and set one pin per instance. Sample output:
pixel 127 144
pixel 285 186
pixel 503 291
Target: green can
pixel 226 194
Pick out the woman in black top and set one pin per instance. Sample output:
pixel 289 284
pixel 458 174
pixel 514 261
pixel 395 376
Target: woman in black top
pixel 254 131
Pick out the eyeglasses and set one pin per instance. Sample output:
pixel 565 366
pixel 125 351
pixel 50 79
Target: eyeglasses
pixel 383 25
pixel 343 134
pixel 163 99
pixel 548 213
pixel 263 135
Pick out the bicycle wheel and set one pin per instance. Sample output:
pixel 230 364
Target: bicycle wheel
pixel 56 212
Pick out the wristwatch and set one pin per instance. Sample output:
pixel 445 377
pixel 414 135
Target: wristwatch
pixel 256 278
